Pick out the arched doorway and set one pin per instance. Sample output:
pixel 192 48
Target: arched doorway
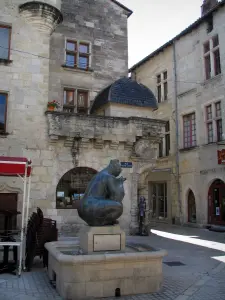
pixel 216 202
pixel 191 207
pixel 72 186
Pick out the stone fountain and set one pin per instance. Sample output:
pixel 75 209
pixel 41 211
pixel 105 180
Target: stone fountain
pixel 100 263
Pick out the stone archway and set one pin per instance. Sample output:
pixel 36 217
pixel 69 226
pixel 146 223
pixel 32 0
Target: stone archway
pixel 72 186
pixel 191 207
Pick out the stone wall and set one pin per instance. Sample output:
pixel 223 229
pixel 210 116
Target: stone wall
pixel 35 76
pixel 146 74
pixel 103 25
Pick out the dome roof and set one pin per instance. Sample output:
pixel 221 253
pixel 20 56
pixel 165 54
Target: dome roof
pixel 125 91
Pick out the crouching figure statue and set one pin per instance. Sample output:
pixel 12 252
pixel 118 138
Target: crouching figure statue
pixel 101 204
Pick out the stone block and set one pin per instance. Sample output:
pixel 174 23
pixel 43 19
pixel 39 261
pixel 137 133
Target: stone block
pixel 97 239
pixel 84 276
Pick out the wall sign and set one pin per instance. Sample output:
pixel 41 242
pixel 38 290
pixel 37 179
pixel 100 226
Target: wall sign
pixel 221 157
pixel 126 164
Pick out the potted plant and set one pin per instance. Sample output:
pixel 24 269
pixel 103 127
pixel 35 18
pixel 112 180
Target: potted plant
pixel 52 105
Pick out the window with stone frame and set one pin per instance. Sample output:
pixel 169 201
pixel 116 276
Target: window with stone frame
pixel 213 117
pixel 3 112
pixel 212 57
pixel 164 146
pixel 162 87
pixel 75 101
pixel 5 41
pixel 189 130
pixel 77 54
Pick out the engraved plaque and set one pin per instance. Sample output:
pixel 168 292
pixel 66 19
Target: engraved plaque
pixel 107 242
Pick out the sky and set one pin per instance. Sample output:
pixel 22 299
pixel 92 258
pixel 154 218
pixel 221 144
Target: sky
pixel 154 22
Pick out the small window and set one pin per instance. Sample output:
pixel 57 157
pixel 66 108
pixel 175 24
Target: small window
pixel 75 101
pixel 214 122
pixel 5 40
pixel 77 55
pixel 3 112
pixel 162 87
pixel 212 57
pixel 189 130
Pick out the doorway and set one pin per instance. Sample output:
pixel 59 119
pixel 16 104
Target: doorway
pixel 191 207
pixel 216 203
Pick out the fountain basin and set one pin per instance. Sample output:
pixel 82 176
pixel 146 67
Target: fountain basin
pixel 136 270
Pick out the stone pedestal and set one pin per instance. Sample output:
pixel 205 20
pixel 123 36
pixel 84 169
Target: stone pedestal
pixel 98 239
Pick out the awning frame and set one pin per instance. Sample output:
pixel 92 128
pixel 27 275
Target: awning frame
pixel 22 169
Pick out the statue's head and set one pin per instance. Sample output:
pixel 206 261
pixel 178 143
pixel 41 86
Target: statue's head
pixel 114 167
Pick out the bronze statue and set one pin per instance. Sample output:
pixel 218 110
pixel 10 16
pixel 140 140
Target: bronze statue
pixel 101 204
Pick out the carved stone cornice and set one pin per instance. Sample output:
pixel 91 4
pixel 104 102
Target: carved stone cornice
pixel 102 128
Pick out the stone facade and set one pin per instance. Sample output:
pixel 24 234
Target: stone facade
pixel 165 165
pixel 198 165
pixel 35 73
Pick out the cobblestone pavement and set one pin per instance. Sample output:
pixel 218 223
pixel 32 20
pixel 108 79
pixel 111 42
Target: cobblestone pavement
pixel 200 277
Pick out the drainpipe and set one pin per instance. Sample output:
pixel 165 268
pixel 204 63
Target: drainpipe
pixel 177 133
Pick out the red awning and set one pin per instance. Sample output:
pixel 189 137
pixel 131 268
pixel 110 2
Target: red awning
pixel 14 166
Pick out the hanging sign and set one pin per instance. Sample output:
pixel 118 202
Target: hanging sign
pixel 126 164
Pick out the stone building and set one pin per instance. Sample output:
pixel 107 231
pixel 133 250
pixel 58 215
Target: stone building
pixel 76 53
pixel 195 63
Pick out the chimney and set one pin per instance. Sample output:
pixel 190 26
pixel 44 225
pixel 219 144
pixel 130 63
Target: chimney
pixel 208 5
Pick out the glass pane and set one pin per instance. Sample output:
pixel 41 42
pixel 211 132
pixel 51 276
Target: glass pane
pixel 158 78
pixel 72 186
pixel 4 43
pixel 68 97
pixel 165 90
pixel 209 112
pixel 81 99
pixel 217 62
pixel 218 109
pixel 159 94
pixel 219 130
pixel 215 41
pixel 206 47
pixel 84 48
pixel 167 128
pixel 207 67
pixel 165 75
pixel 70 60
pixel 83 62
pixel 3 98
pixel 71 46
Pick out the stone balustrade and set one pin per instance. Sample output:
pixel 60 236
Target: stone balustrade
pixel 102 128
